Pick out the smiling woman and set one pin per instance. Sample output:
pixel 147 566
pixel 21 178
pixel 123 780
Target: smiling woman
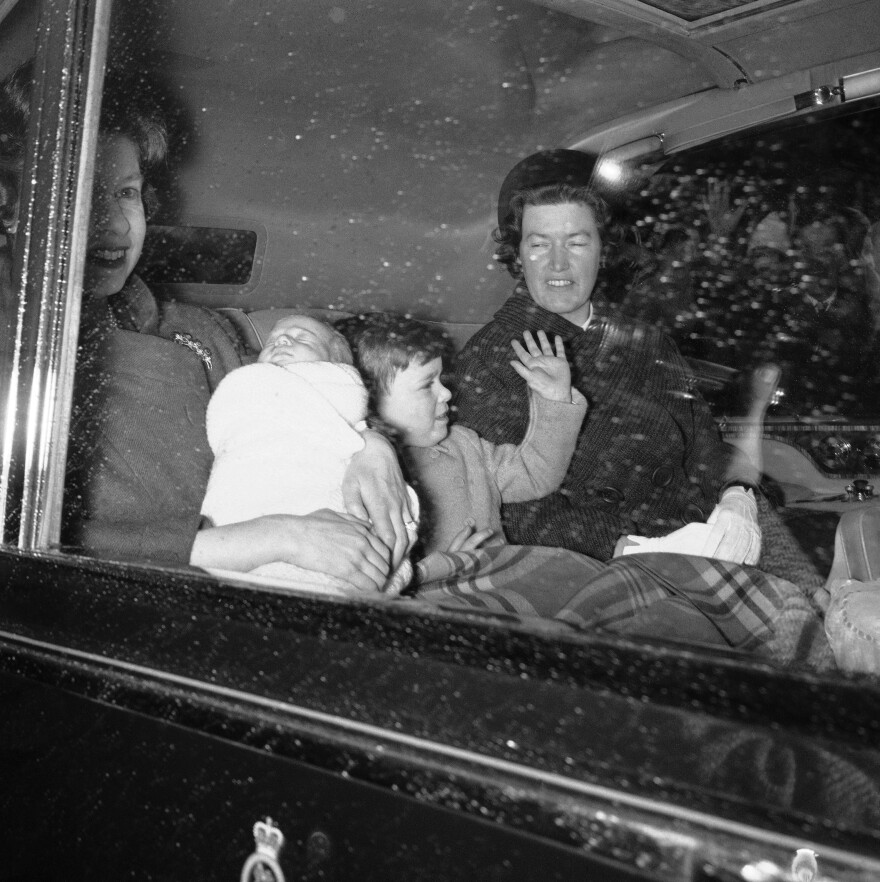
pixel 138 456
pixel 560 253
pixel 342 159
pixel 118 221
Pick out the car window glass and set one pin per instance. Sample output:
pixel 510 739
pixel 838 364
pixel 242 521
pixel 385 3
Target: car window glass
pixel 384 163
pixel 760 249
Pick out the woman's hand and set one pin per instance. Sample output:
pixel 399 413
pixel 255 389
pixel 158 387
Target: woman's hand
pixel 623 542
pixel 544 371
pixel 374 491
pixel 338 545
pixel 735 534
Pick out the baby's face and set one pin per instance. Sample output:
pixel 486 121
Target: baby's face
pixel 297 338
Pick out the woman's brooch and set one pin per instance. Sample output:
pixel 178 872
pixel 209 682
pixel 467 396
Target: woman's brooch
pixel 203 352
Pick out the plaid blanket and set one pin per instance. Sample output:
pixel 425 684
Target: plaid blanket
pixel 674 596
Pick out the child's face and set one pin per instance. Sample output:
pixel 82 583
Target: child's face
pixel 297 338
pixel 417 404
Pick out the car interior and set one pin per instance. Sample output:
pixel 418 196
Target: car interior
pixel 381 196
pixel 335 158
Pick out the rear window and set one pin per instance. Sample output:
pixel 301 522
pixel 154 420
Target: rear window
pixel 200 255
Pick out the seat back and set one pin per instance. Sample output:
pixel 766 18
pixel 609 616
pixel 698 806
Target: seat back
pixel 255 326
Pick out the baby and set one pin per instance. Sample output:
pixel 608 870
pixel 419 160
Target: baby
pixel 283 432
pixel 462 478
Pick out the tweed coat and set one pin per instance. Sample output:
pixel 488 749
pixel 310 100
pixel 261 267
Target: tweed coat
pixel 649 457
pixel 139 456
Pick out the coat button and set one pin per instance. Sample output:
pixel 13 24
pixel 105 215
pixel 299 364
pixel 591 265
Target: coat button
pixel 611 495
pixel 662 476
pixel 692 513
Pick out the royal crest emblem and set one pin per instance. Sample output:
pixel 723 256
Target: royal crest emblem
pixel 805 867
pixel 262 865
pixel 203 352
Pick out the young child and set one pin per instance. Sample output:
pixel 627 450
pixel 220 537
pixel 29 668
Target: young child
pixel 283 432
pixel 463 479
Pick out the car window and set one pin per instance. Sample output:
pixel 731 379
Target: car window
pixel 203 255
pixel 759 248
pixel 788 278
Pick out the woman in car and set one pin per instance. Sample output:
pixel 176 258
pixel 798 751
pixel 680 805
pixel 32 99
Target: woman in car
pixel 649 458
pixel 139 459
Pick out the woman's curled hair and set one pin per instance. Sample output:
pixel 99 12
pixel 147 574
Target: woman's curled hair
pixel 15 93
pixel 509 235
pixel 128 107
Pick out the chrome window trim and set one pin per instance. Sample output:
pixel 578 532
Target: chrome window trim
pixel 684 123
pixel 39 351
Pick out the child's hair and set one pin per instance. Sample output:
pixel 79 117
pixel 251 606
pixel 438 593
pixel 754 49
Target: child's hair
pixel 383 345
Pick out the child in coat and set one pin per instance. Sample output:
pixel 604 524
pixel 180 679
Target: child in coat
pixel 462 480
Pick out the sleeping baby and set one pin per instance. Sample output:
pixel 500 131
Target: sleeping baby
pixel 283 432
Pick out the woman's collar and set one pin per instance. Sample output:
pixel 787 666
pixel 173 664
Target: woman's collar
pixel 589 320
pixel 135 308
pixel 522 303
